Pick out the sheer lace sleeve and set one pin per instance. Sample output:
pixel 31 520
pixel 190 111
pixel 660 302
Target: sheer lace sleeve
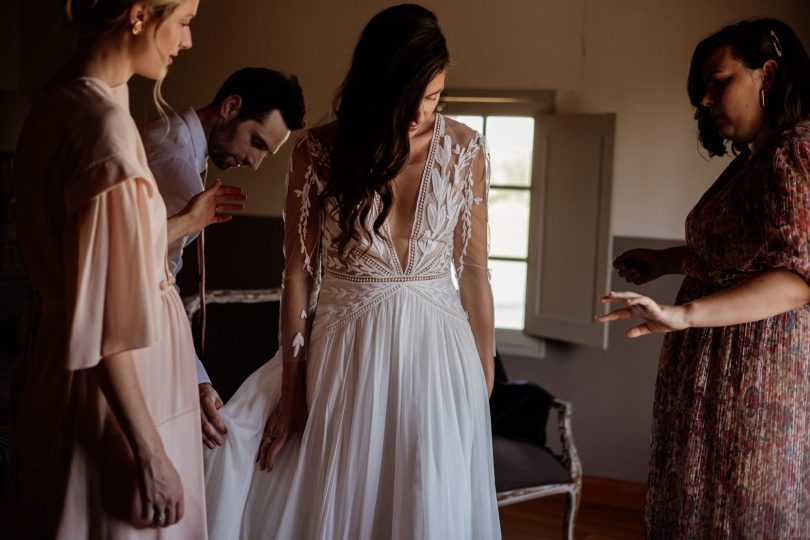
pixel 471 251
pixel 302 217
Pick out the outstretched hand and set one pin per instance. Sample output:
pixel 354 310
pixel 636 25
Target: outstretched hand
pixel 213 206
pixel 657 318
pixel 288 417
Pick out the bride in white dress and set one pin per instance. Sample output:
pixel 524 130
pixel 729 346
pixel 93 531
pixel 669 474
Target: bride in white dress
pixel 373 417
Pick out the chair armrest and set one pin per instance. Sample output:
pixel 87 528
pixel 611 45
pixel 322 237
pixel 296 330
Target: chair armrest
pixel 231 296
pixel 570 457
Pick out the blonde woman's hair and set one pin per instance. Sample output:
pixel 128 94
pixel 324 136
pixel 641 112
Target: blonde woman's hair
pixel 99 18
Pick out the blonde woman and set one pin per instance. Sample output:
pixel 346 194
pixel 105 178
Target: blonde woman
pixel 105 428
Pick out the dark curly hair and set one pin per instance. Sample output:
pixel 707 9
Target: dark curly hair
pixel 753 43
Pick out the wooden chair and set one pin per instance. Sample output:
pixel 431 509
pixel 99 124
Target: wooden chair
pixel 525 471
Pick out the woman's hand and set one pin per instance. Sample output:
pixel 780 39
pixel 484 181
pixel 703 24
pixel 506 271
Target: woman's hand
pixel 211 206
pixel 640 265
pixel 288 417
pixel 657 318
pixel 160 490
pixel 206 208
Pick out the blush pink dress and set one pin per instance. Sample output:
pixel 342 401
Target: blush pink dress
pixel 92 227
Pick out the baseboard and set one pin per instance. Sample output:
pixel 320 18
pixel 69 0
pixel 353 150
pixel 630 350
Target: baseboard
pixel 612 492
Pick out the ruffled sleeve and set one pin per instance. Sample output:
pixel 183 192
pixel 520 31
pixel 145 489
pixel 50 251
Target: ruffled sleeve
pixel 471 250
pixel 787 206
pixel 102 156
pixel 302 259
pixel 112 294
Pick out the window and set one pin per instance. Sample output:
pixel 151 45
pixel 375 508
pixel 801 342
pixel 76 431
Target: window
pixel 511 141
pixel 549 205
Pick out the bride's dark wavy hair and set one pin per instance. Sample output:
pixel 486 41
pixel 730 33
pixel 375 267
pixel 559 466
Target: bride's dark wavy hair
pixel 400 51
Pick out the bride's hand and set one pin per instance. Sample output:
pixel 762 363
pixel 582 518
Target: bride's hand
pixel 288 417
pixel 657 318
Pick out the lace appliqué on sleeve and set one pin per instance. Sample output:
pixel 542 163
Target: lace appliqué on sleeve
pixel 465 161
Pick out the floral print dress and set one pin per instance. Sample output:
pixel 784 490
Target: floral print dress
pixel 730 453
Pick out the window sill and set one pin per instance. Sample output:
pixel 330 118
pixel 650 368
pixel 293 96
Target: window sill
pixel 511 342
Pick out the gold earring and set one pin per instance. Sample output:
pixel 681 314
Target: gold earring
pixel 137 28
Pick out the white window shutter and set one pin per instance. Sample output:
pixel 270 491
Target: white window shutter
pixel 569 247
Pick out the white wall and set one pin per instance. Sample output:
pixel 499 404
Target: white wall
pixel 629 57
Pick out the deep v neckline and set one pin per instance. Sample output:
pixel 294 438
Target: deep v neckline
pixel 418 215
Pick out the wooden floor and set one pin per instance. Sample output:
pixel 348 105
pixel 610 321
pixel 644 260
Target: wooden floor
pixel 609 509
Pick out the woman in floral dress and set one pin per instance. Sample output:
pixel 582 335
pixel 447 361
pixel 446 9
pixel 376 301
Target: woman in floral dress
pixel 730 450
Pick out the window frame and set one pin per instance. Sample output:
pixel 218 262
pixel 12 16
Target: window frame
pixel 558 141
pixel 516 103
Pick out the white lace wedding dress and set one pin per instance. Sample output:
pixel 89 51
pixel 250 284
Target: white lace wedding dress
pixel 397 443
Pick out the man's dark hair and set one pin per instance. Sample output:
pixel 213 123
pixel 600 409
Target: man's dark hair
pixel 262 91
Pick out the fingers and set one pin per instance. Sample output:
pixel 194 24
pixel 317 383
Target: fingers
pixel 213 428
pixel 181 508
pixel 228 207
pixel 214 187
pixel 618 296
pixel 220 218
pixel 644 306
pixel 264 450
pixel 633 266
pixel 171 515
pixel 638 331
pixel 221 191
pixel 631 275
pixel 617 315
pixel 147 509
pixel 157 517
pixel 269 448
pixel 211 437
pixel 216 420
pixel 231 192
pixel 275 448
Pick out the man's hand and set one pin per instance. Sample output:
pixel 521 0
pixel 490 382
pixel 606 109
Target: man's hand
pixel 213 429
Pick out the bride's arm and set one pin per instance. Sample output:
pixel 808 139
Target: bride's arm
pixel 302 264
pixel 471 252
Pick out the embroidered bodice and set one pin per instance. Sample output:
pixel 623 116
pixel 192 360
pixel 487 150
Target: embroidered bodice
pixel 449 230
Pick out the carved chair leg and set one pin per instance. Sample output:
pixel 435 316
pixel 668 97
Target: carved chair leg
pixel 571 504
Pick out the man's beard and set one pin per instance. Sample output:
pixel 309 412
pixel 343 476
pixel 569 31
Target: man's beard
pixel 220 142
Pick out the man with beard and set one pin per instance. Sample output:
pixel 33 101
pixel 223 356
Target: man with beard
pixel 251 115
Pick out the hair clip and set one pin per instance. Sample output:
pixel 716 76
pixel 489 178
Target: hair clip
pixel 777 46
